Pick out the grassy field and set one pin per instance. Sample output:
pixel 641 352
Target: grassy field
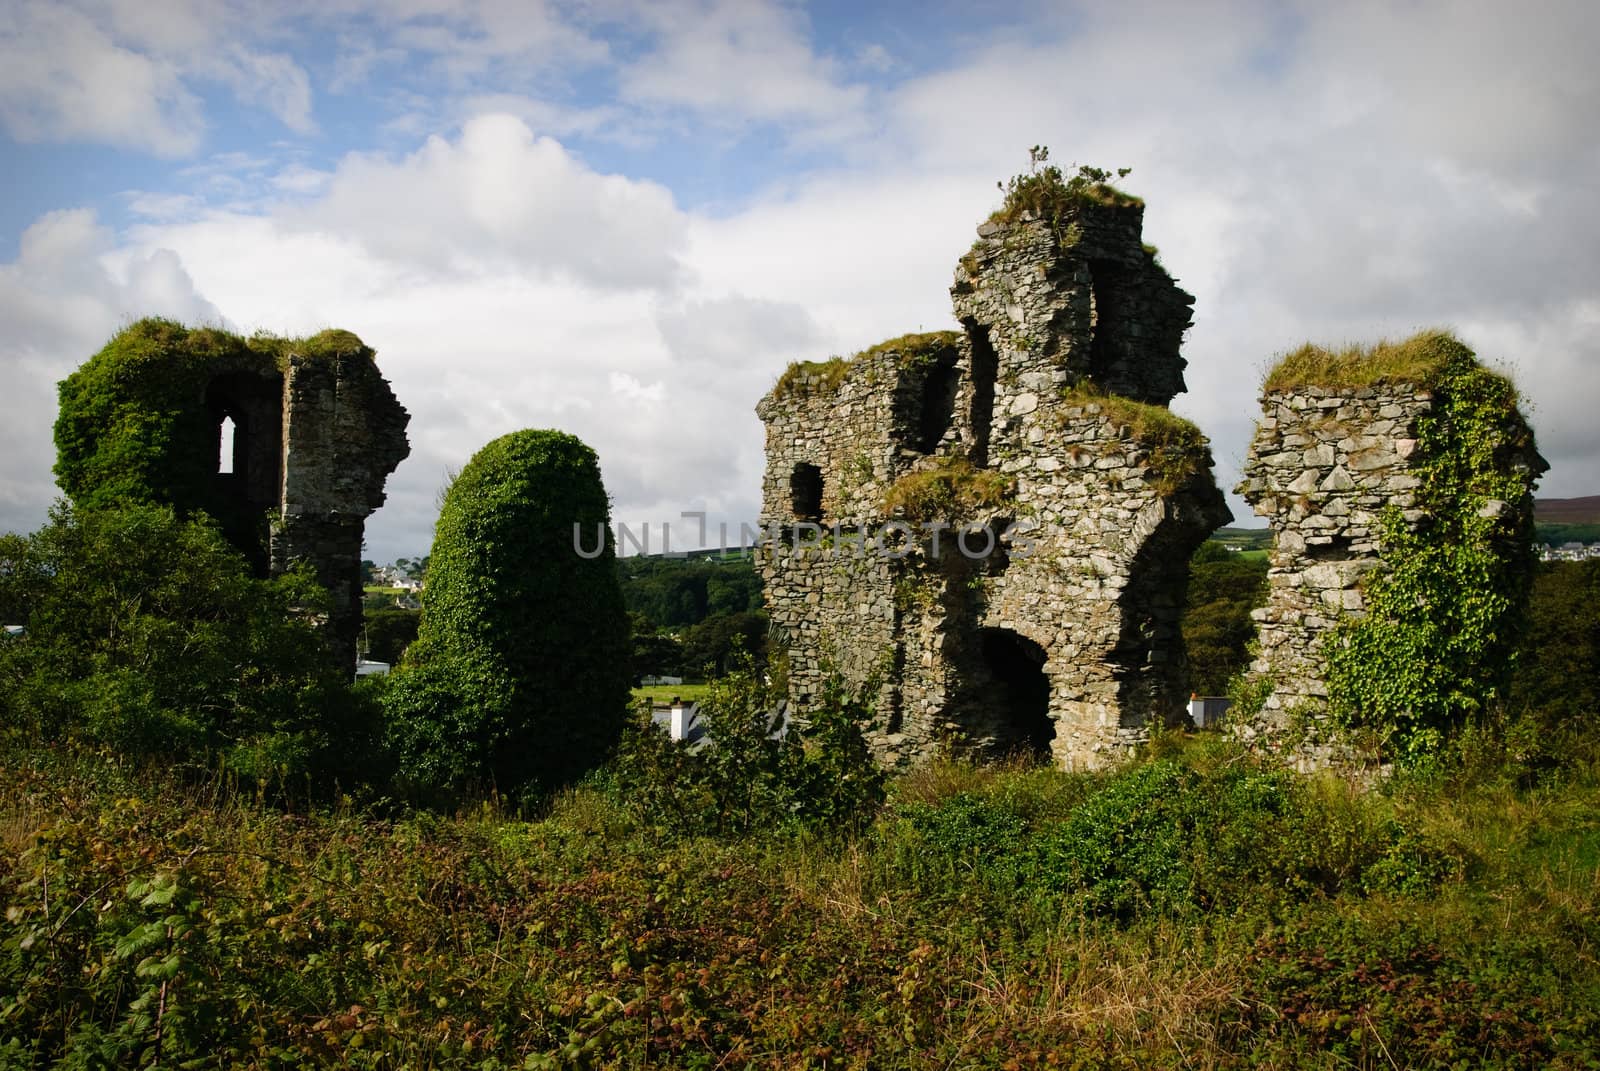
pixel 665 693
pixel 1196 910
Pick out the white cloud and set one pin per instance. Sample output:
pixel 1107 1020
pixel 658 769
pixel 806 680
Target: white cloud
pixel 499 197
pixel 737 60
pixel 64 295
pixel 62 78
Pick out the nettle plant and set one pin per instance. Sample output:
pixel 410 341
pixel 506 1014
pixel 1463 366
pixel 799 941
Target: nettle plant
pixel 1438 639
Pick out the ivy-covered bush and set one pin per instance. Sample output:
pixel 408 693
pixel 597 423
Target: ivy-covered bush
pixel 1446 610
pixel 519 674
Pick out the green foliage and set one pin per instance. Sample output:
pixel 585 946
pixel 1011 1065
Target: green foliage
pixel 1556 678
pixel 1443 615
pixel 519 674
pixel 149 923
pixel 950 488
pixel 749 777
pixel 1044 192
pixel 1224 587
pixel 675 592
pixel 1419 359
pixel 148 635
pixel 388 632
pixel 134 427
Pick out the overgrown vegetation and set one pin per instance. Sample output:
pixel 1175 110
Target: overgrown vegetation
pixel 147 635
pixel 1420 359
pixel 1443 614
pixel 803 378
pixel 1199 909
pixel 1224 586
pixel 1174 448
pixel 134 426
pixel 950 487
pixel 518 673
pixel 1046 193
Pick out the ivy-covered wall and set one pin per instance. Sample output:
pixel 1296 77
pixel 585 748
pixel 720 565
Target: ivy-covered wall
pixel 317 431
pixel 1399 482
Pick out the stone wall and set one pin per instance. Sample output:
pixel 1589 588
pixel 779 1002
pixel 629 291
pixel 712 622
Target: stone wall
pixel 1054 624
pixel 343 432
pixel 1335 471
pixel 1322 467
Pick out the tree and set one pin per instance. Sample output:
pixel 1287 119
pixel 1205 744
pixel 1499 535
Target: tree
pixel 148 634
pixel 519 675
pixel 1217 629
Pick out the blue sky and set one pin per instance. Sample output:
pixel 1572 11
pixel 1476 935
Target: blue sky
pixel 623 218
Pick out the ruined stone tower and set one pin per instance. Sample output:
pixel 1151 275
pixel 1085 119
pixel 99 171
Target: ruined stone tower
pixel 1371 463
pixel 315 432
pixel 1005 512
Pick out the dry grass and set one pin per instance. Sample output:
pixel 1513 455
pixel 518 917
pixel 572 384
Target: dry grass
pixel 1175 448
pixel 1418 359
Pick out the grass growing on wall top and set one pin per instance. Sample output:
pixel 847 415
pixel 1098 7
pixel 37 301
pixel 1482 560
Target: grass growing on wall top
pixel 1045 192
pixel 825 377
pixel 1419 359
pixel 1176 449
pixel 953 487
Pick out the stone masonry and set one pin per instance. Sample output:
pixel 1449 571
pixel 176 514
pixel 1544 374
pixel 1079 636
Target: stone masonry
pixel 1324 465
pixel 343 433
pixel 1035 603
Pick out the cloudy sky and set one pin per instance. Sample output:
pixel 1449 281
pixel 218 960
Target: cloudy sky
pixel 622 218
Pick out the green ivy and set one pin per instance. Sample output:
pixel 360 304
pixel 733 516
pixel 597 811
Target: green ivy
pixel 1444 613
pixel 519 674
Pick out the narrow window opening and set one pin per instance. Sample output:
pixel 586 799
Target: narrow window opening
pixel 805 491
pixel 1106 316
pixel 225 446
pixel 985 367
pixel 938 402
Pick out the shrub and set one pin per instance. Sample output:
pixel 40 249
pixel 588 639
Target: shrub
pixel 519 674
pixel 148 635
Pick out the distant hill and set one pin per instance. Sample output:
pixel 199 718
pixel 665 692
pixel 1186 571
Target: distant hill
pixel 1584 510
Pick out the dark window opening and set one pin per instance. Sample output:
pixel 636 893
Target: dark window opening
pixel 985 367
pixel 1108 282
pixel 805 491
pixel 938 401
pixel 1021 689
pixel 1338 550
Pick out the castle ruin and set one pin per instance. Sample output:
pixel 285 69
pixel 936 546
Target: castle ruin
pixel 1404 443
pixel 992 526
pixel 315 432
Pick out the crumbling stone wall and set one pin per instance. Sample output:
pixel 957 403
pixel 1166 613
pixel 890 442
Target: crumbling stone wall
pixel 1398 481
pixel 316 433
pixel 343 433
pixel 1323 466
pixel 1038 435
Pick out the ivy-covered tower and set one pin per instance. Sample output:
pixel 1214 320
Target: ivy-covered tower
pixel 287 443
pixel 1399 481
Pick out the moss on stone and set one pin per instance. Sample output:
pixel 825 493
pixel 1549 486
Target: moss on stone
pixel 952 488
pixel 1175 449
pixel 825 377
pixel 1420 359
